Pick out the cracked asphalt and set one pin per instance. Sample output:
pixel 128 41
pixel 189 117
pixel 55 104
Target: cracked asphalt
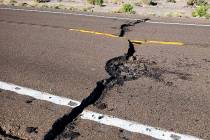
pixel 38 51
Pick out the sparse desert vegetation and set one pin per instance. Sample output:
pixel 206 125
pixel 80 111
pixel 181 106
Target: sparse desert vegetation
pixel 172 1
pixel 146 2
pixel 127 8
pixel 201 11
pixel 96 2
pixel 197 2
pixel 169 8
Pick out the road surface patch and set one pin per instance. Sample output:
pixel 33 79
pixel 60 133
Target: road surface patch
pixel 94 116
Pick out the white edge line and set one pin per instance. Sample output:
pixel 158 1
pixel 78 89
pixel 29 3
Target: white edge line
pixel 107 17
pixel 176 23
pixel 39 95
pixel 131 126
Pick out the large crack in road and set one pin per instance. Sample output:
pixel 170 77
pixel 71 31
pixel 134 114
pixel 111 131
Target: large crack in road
pixel 96 95
pixel 121 69
pixel 103 85
pixel 126 27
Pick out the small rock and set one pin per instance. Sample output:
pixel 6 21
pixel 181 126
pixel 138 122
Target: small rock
pixel 131 58
pixel 207 59
pixel 32 129
pixel 30 101
pixel 102 106
pixel 175 137
pixel 100 117
pixel 169 83
pixel 72 103
pixel 141 66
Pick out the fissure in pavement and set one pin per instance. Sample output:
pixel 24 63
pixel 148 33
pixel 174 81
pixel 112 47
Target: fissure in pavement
pixel 125 27
pixel 60 124
pixel 122 68
pixel 34 24
pixel 106 84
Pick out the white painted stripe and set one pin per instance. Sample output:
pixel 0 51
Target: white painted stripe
pixel 176 23
pixel 39 95
pixel 131 126
pixel 107 17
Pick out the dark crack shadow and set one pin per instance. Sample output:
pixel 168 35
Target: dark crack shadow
pixel 6 135
pixel 125 27
pixel 60 124
pixel 33 24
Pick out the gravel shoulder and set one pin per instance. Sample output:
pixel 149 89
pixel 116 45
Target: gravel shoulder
pixel 180 9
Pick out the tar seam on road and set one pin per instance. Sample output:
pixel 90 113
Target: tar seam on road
pixel 89 115
pixel 106 17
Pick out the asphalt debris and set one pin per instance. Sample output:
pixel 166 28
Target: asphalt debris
pixel 126 70
pixel 100 117
pixel 69 132
pixel 176 137
pixel 101 106
pixel 30 101
pixel 207 59
pixel 32 129
pixel 124 135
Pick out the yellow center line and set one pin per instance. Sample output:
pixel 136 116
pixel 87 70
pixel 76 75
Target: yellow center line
pixel 93 32
pixel 157 42
pixel 134 41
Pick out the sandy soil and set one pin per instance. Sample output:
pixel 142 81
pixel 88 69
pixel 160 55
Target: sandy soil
pixel 162 9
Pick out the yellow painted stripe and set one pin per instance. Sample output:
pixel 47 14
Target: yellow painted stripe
pixel 138 41
pixel 93 32
pixel 134 41
pixel 157 42
pixel 165 43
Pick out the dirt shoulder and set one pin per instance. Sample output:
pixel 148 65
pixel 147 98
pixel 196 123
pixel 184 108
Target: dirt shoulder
pixel 161 8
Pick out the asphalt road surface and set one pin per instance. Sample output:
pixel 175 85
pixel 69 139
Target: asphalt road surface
pixel 66 55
